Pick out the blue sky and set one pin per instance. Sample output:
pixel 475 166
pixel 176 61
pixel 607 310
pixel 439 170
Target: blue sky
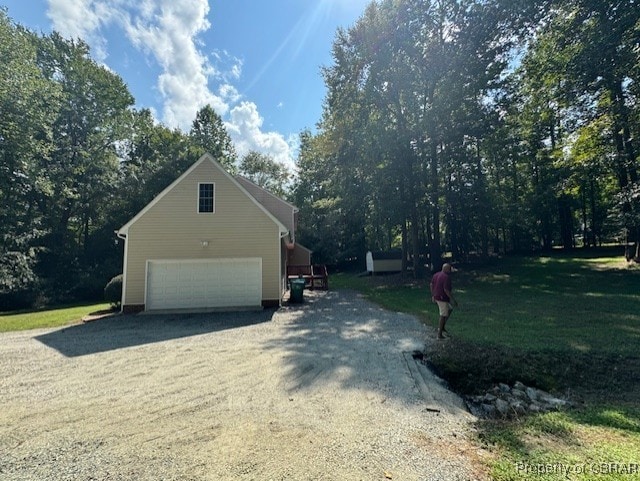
pixel 257 62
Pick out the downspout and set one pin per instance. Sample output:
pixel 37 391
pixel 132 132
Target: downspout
pixel 282 281
pixel 124 265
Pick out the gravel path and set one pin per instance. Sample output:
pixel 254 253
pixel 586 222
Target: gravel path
pixel 319 391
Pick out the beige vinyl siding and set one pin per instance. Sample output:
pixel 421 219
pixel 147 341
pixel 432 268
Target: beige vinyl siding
pixel 172 228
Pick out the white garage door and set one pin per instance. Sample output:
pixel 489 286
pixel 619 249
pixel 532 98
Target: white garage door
pixel 204 283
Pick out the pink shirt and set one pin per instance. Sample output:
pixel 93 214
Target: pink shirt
pixel 439 282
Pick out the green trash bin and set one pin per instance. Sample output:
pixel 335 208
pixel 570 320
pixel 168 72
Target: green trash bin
pixel 297 290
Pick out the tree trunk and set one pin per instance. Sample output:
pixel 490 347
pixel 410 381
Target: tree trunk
pixel 405 247
pixel 415 244
pixel 625 159
pixel 435 248
pixel 566 222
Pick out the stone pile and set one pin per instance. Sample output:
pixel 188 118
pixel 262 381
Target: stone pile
pixel 503 401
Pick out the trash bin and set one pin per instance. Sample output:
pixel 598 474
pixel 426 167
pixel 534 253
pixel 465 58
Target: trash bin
pixel 297 290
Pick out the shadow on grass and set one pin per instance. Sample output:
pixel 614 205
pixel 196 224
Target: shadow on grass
pixel 593 377
pixel 620 417
pixel 598 434
pixel 122 331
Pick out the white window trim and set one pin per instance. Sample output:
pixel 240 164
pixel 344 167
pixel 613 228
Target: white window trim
pixel 198 198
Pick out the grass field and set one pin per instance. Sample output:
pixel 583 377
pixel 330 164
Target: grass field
pixel 56 317
pixel 569 324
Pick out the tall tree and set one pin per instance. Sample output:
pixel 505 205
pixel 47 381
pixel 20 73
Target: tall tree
pixel 264 171
pixel 150 158
pixel 28 105
pixel 314 194
pixel 209 133
pixel 409 96
pixel 595 58
pixel 80 172
pixel 591 180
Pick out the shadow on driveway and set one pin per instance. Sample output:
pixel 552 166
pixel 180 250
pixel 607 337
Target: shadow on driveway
pixel 123 331
pixel 338 336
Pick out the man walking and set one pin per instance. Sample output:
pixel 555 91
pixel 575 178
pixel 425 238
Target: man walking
pixel 441 294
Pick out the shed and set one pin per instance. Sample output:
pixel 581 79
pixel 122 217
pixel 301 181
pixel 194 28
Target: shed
pixel 384 261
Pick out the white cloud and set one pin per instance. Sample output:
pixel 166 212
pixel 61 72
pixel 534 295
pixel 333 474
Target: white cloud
pixel 245 129
pixel 232 66
pixel 229 93
pixel 169 30
pixel 82 19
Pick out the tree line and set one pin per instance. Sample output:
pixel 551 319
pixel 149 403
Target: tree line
pixel 475 127
pixel 465 127
pixel 77 161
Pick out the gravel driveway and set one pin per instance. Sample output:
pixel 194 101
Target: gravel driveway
pixel 320 391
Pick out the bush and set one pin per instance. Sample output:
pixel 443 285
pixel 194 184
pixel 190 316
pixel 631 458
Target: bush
pixel 18 283
pixel 113 291
pixel 87 286
pixel 17 300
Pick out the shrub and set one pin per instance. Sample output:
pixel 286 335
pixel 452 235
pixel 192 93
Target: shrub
pixel 87 286
pixel 18 283
pixel 16 300
pixel 113 291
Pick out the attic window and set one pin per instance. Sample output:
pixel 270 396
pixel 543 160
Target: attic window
pixel 206 193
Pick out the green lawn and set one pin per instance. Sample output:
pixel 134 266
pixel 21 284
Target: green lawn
pixel 20 321
pixel 569 324
pixel 566 303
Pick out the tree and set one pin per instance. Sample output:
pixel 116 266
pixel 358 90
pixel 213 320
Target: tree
pixel 313 192
pixel 576 77
pixel 209 133
pixel 264 171
pixel 77 177
pixel 592 180
pixel 151 156
pixel 28 105
pixel 409 105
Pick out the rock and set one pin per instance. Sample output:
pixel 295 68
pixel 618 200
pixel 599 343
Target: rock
pixel 519 408
pixel 532 393
pixel 555 403
pixel 489 398
pixel 534 408
pixel 503 401
pixel 518 393
pixel 489 410
pixel 502 407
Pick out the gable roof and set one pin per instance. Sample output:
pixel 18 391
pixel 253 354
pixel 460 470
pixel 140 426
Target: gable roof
pixel 245 181
pixel 284 211
pixel 206 157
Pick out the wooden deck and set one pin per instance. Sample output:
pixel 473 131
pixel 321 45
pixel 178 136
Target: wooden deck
pixel 314 275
